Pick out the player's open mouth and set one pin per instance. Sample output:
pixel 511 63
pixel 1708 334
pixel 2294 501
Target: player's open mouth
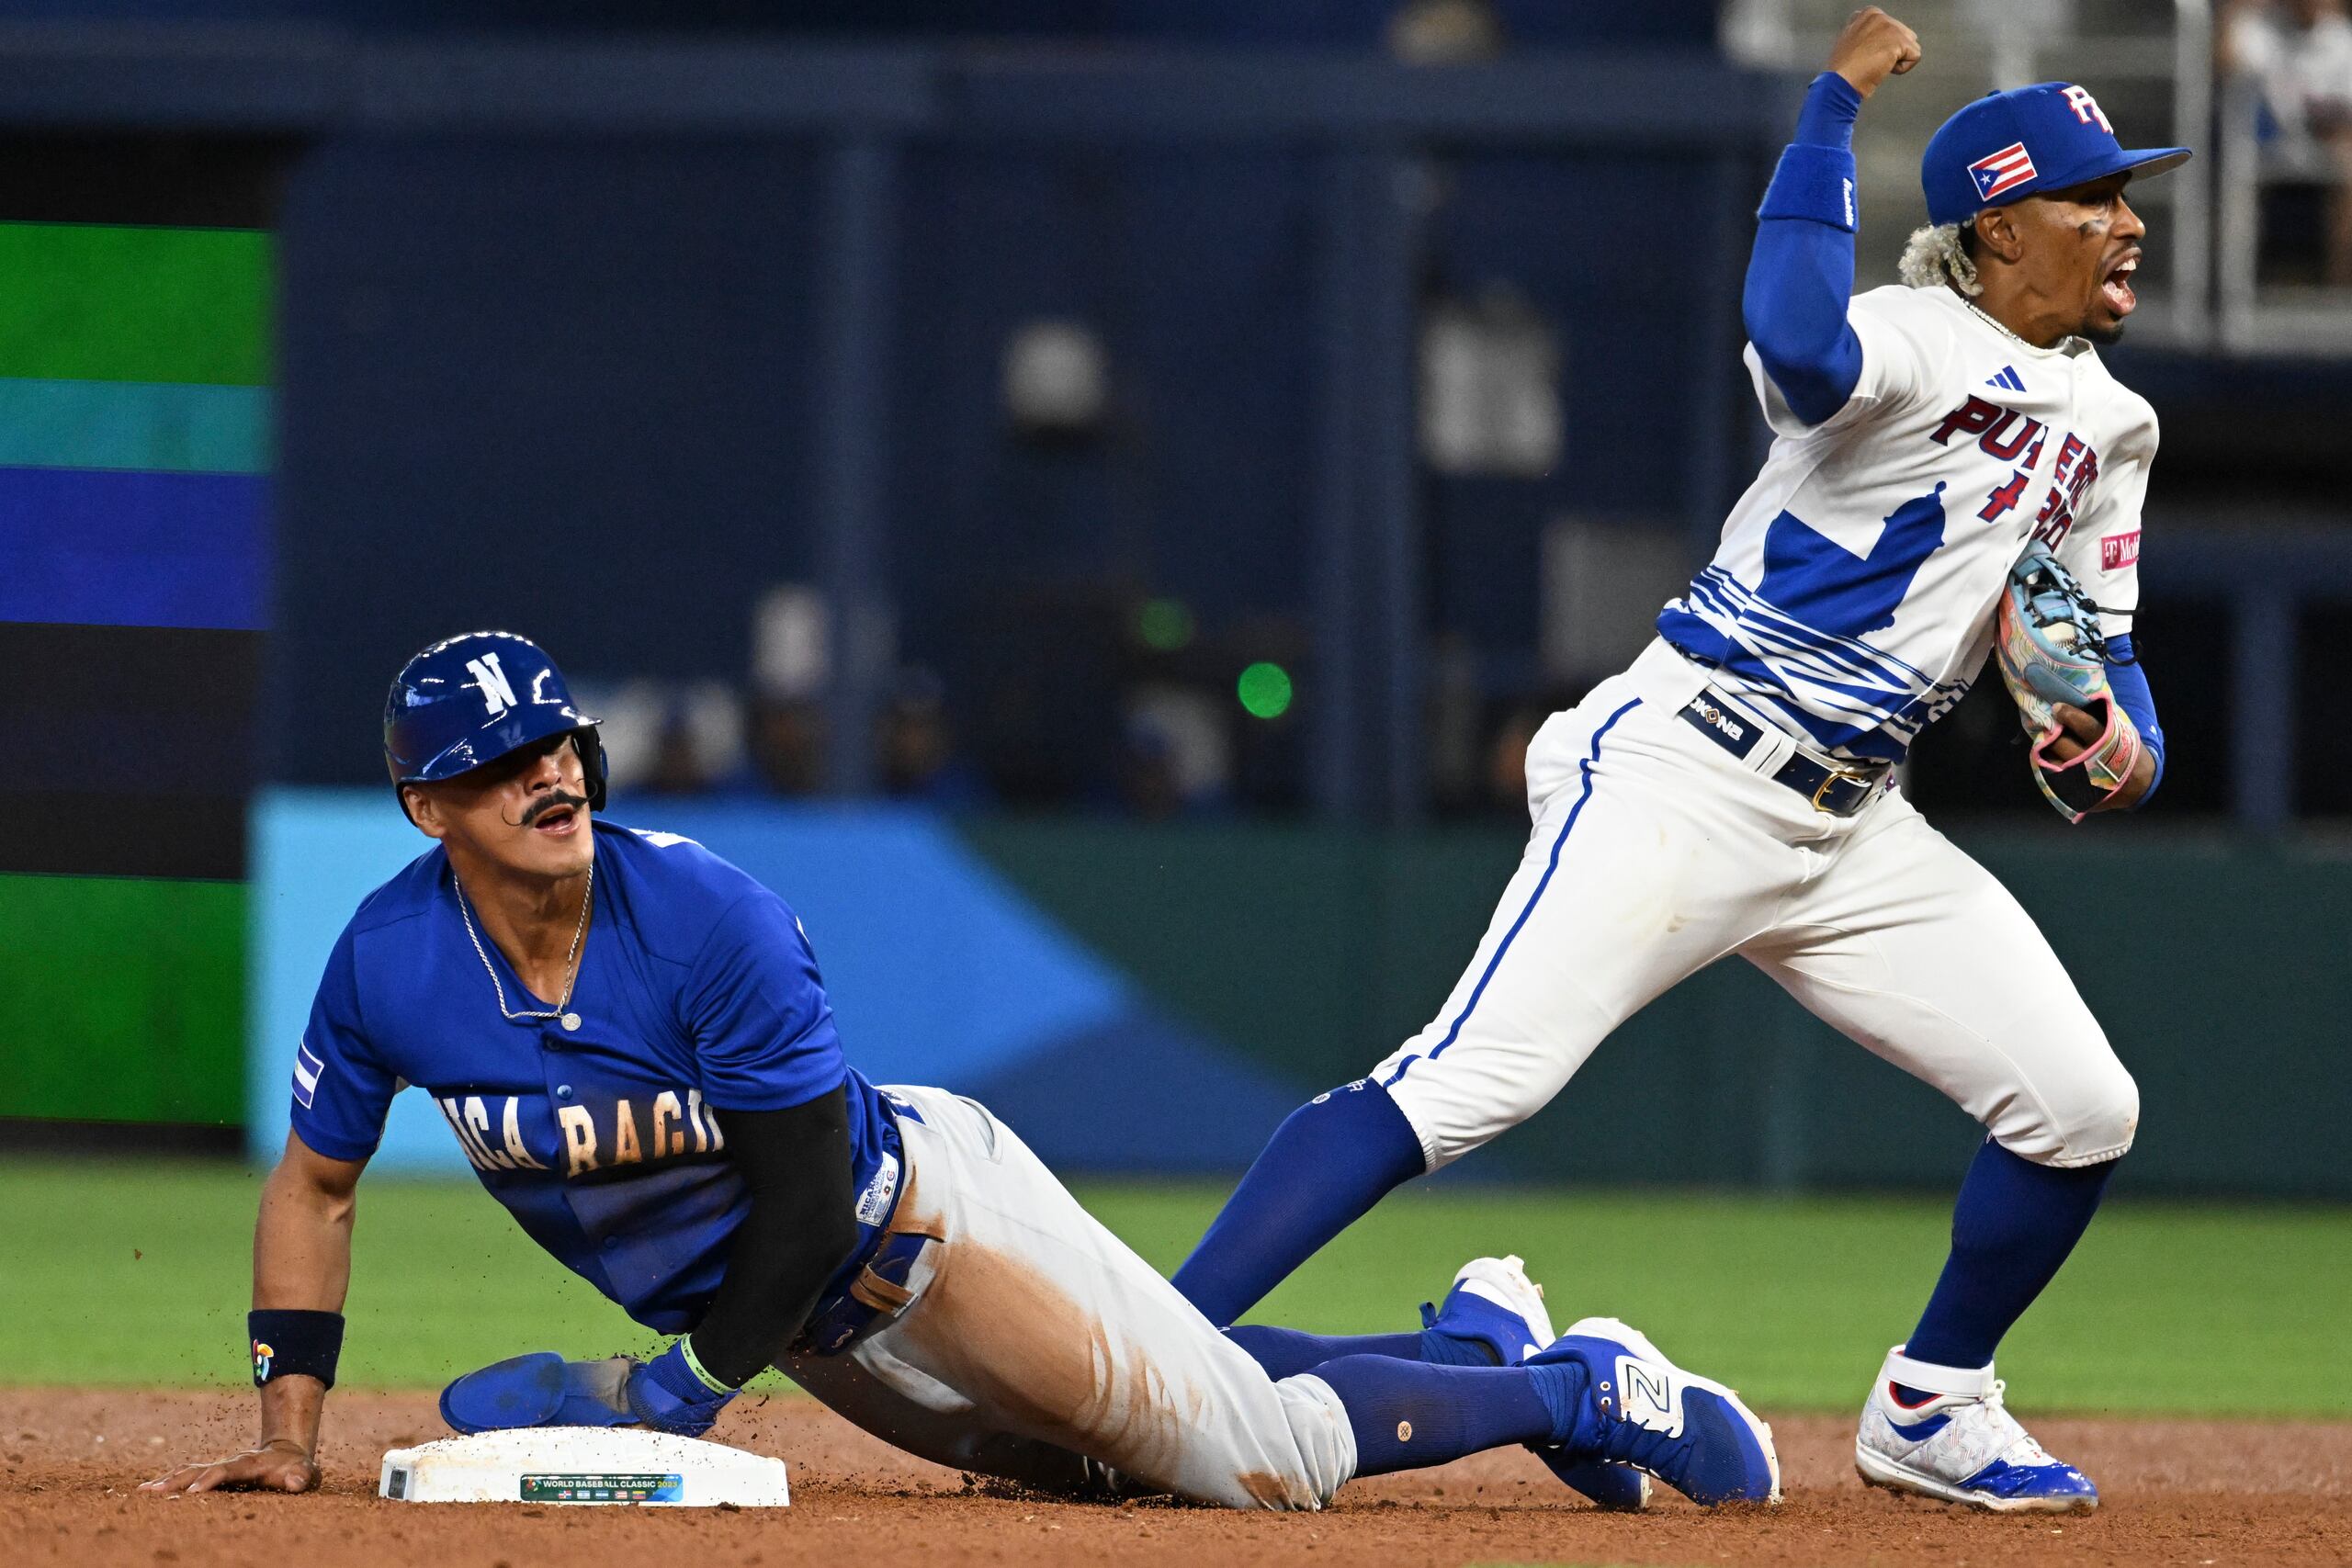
pixel 2116 289
pixel 561 820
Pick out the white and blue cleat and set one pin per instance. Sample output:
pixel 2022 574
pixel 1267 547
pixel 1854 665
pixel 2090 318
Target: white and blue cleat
pixel 1495 1304
pixel 1639 1410
pixel 1950 1438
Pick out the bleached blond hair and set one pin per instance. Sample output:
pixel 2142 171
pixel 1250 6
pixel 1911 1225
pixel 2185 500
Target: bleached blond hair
pixel 1934 256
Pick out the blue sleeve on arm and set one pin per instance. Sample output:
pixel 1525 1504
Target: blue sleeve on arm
pixel 763 1028
pixel 2129 682
pixel 342 1093
pixel 1801 273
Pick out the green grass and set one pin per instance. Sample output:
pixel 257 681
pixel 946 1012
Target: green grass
pixel 126 1275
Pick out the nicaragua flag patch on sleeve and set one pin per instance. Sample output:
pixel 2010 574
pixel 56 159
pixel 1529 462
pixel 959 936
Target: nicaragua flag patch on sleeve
pixel 308 1065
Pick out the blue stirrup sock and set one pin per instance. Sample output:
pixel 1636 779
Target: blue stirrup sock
pixel 1329 1161
pixel 1285 1352
pixel 1407 1416
pixel 2014 1226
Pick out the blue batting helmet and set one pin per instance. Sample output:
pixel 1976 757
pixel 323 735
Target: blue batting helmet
pixel 472 699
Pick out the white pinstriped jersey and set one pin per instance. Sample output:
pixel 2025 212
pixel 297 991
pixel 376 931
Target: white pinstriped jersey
pixel 1851 597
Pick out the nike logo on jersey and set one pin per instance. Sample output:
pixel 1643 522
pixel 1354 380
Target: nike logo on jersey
pixel 2009 380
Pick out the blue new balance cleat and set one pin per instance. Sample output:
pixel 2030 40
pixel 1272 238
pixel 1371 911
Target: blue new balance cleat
pixel 1943 1432
pixel 540 1389
pixel 1495 1307
pixel 1638 1409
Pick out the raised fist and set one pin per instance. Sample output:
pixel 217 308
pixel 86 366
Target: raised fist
pixel 1873 47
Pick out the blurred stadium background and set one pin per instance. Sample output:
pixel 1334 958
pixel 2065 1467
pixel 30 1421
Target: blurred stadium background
pixel 1090 499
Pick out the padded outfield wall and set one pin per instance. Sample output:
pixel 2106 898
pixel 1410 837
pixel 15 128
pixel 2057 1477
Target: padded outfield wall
pixel 1156 999
pixel 134 455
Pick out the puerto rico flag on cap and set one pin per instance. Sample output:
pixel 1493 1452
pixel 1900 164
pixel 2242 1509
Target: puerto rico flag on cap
pixel 2004 171
pixel 2007 146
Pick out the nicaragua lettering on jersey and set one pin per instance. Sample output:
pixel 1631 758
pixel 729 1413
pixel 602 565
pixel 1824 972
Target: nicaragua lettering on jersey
pixel 697 994
pixel 1850 600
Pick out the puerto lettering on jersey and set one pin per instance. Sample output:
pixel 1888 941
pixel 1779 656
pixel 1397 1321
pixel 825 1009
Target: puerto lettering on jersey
pixel 698 994
pixel 1851 598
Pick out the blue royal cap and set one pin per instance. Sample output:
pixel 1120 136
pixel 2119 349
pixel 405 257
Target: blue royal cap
pixel 2007 146
pixel 470 700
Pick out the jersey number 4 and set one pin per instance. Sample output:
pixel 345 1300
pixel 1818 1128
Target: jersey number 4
pixel 2005 498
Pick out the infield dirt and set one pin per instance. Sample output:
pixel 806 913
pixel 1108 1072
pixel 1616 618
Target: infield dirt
pixel 2176 1491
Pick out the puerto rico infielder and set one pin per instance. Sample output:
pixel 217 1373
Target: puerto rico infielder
pixel 1733 792
pixel 630 1040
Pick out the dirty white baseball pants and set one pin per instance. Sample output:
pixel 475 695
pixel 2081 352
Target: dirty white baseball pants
pixel 1655 852
pixel 1035 1339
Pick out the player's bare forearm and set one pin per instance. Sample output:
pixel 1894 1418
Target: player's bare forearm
pixel 303 1263
pixel 302 1236
pixel 1872 47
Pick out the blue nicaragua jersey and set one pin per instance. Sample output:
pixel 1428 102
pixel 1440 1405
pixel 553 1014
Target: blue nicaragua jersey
pixel 697 995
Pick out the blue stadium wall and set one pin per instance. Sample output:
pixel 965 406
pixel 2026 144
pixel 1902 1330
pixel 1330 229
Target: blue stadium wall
pixel 1156 999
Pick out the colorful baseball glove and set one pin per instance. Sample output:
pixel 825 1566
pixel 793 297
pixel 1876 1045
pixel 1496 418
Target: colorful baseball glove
pixel 2051 651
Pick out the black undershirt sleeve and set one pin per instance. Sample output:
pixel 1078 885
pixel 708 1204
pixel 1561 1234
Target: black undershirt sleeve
pixel 800 1230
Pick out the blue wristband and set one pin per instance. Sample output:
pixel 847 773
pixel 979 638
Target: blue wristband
pixel 1814 183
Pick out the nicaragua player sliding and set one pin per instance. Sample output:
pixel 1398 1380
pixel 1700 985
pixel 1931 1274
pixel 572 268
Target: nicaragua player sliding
pixel 630 1040
pixel 1944 447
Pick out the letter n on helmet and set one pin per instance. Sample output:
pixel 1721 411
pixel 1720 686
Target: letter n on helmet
pixel 470 700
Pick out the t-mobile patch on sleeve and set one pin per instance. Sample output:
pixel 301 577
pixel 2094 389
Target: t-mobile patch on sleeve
pixel 2117 551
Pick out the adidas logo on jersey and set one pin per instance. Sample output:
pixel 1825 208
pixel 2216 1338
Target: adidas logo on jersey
pixel 2009 380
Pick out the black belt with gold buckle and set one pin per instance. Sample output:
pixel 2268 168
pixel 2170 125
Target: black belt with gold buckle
pixel 1838 791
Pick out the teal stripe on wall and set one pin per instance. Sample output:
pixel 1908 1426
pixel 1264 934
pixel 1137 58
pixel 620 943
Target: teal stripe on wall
pixel 155 426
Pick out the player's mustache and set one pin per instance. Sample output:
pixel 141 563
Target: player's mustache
pixel 551 801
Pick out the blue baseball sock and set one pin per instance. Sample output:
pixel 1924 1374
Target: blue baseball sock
pixel 2012 1228
pixel 1286 1351
pixel 1331 1160
pixel 1407 1416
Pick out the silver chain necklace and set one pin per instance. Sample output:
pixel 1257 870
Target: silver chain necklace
pixel 561 1013
pixel 1991 321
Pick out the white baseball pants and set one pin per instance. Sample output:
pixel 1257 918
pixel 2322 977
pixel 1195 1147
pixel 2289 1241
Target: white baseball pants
pixel 1034 1340
pixel 1655 851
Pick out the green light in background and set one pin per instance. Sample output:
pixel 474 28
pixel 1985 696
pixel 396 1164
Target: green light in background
pixel 1164 624
pixel 1264 690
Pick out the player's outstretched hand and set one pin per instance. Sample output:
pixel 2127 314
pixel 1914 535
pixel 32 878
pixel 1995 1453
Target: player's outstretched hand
pixel 273 1467
pixel 1873 47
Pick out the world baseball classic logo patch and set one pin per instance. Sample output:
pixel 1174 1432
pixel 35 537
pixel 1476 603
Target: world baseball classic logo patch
pixel 2117 551
pixel 2004 171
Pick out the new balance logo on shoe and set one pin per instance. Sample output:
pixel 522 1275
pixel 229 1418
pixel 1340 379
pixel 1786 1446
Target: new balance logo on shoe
pixel 1647 1396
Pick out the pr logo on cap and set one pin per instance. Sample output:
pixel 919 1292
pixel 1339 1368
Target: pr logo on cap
pixel 2087 108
